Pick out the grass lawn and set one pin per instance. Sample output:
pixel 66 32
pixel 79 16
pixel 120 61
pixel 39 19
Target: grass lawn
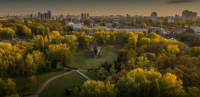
pixel 84 59
pixel 57 87
pixel 92 76
pixel 21 82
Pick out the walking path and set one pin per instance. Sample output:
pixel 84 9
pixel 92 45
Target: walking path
pixel 83 75
pixel 49 80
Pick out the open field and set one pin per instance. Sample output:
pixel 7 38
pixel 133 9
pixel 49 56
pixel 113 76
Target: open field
pixel 21 82
pixel 57 87
pixel 84 59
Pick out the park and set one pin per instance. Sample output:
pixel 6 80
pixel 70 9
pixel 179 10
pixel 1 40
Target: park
pixel 83 60
pixel 56 62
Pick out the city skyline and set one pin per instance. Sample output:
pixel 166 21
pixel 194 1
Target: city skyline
pixel 99 8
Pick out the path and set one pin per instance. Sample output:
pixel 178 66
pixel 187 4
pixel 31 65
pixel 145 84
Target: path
pixel 83 75
pixel 49 80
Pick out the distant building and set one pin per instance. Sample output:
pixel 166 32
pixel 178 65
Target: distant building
pixel 77 26
pixel 177 17
pixel 196 29
pixel 153 16
pixel 128 16
pixel 170 19
pixel 47 15
pixel 84 16
pixel 189 15
pixel 108 25
pixel 31 16
pixel 8 16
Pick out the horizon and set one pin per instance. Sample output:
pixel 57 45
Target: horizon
pixel 99 8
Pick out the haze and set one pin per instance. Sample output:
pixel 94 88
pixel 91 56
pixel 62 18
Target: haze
pixel 99 7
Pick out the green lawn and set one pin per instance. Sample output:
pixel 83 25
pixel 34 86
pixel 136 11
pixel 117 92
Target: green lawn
pixel 92 76
pixel 84 59
pixel 57 87
pixel 21 82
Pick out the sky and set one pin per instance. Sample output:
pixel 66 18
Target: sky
pixel 99 7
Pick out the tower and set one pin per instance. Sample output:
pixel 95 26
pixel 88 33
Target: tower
pixel 49 14
pixel 39 15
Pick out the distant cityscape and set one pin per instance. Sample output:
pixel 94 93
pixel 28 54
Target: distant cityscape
pixel 186 15
pixel 77 21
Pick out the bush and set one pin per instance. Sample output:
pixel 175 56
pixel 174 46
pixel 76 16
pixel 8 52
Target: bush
pixel 69 69
pixel 32 79
pixel 67 92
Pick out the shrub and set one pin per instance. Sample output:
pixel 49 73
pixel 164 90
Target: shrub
pixel 32 79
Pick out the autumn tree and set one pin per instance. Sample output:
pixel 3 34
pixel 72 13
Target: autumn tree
pixel 98 89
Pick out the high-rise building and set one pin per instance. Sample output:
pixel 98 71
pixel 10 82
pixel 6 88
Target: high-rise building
pixel 45 15
pixel 189 15
pixel 8 15
pixel 84 16
pixel 49 13
pixel 177 17
pixel 31 16
pixel 153 16
pixel 128 16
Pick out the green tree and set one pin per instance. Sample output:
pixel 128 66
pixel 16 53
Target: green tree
pixel 113 70
pixel 102 74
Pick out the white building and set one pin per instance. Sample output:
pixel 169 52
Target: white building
pixel 69 23
pixel 196 29
pixel 170 19
pixel 77 26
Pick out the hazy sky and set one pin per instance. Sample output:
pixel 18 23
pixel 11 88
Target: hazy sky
pixel 99 7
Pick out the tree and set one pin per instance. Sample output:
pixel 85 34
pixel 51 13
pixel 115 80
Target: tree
pixel 67 28
pixel 32 79
pixel 7 88
pixel 195 51
pixel 7 32
pixel 27 31
pixel 102 74
pixel 98 89
pixel 31 67
pixel 144 25
pixel 55 33
pixel 171 86
pixel 132 41
pixel 173 49
pixel 113 70
pixel 144 41
pixel 127 87
pixel 193 92
pixel 87 22
pixel 84 40
pixel 142 62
